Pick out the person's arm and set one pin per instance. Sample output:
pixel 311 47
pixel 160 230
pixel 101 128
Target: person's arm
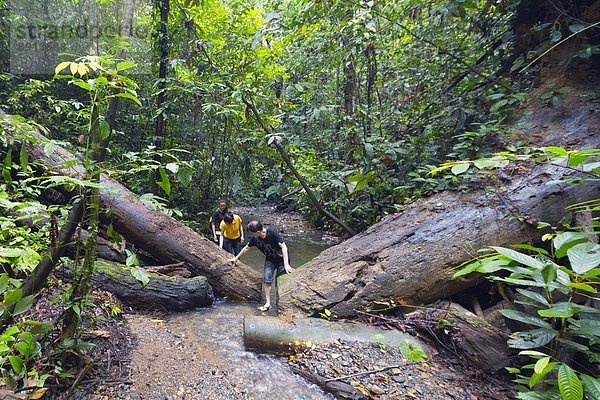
pixel 221 228
pixel 286 259
pixel 241 231
pixel 236 258
pixel 212 226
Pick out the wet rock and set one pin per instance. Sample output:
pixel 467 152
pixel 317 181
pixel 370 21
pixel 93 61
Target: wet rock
pixel 376 390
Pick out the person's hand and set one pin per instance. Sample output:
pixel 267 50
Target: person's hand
pixel 215 238
pixel 232 260
pixel 288 269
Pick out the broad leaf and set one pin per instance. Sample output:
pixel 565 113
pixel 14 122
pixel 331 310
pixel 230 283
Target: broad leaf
pixel 12 297
pixel 23 305
pixel 560 310
pixel 591 386
pixel 526 318
pixel 584 257
pixel 519 257
pixel 123 65
pixel 542 368
pixel 565 240
pixel 541 364
pixel 16 363
pixel 574 345
pixel 164 182
pixel 474 266
pixel 532 339
pixel 460 168
pixel 61 66
pixel 537 297
pixel 532 353
pixel 140 275
pixel 583 286
pixel 569 384
pixel 3 282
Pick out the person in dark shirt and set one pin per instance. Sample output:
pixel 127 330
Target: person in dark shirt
pixel 277 260
pixel 216 218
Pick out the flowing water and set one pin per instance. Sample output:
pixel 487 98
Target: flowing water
pixel 217 335
pixel 217 331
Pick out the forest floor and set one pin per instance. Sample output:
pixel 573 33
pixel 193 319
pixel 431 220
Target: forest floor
pixel 151 357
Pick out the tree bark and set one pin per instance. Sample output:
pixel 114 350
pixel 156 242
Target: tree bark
pixel 469 337
pixel 274 336
pixel 166 239
pixel 161 292
pixel 409 257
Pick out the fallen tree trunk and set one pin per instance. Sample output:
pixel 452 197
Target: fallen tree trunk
pixel 408 257
pixel 166 239
pixel 467 336
pixel 161 293
pixel 274 336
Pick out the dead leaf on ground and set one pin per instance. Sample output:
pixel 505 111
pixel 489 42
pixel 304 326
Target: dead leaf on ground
pixel 102 334
pixel 37 393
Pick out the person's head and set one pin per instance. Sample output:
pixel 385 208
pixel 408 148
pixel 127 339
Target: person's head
pixel 222 204
pixel 228 218
pixel 255 228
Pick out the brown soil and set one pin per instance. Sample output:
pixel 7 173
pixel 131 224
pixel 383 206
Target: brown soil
pixel 152 357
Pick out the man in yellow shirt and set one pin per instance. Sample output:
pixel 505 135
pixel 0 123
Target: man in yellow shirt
pixel 232 233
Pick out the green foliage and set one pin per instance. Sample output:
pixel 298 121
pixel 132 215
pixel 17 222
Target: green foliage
pixel 413 351
pixel 554 308
pixel 326 314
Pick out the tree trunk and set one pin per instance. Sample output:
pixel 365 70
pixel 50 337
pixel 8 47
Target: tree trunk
pixel 161 292
pixel 408 257
pixel 469 337
pixel 275 336
pixel 166 239
pixel 170 241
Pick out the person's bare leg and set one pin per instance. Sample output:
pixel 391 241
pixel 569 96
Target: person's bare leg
pixel 267 287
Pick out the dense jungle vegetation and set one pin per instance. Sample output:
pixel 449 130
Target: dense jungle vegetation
pixel 337 108
pixel 363 97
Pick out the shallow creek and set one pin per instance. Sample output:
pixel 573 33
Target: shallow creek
pixel 204 347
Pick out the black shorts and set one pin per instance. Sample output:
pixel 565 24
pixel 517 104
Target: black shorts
pixel 272 269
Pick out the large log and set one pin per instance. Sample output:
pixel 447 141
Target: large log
pixel 171 293
pixel 408 257
pixel 166 239
pixel 275 336
pixel 469 337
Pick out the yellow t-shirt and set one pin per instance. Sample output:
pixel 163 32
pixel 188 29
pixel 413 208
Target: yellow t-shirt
pixel 232 230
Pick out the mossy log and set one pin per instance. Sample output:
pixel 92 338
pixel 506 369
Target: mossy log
pixel 275 336
pixel 172 293
pixel 164 238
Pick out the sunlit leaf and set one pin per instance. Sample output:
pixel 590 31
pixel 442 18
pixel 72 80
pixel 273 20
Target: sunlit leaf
pixel 141 275
pixel 519 257
pixel 61 66
pixel 584 257
pixel 569 384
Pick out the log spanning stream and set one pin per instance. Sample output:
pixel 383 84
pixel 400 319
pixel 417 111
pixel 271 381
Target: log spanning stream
pixel 215 333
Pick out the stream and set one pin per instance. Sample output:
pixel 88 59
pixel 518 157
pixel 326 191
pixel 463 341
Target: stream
pixel 204 347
